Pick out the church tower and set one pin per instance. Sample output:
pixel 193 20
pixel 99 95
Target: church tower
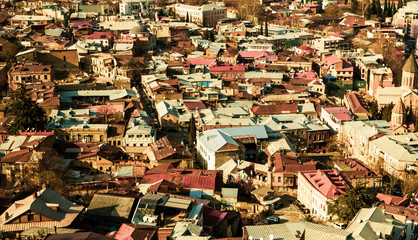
pixel 398 114
pixel 410 73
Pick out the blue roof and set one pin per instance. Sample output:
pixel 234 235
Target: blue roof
pixel 195 211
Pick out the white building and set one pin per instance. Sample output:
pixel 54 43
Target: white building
pixel 396 154
pixel 104 65
pixel 139 133
pixel 138 8
pixel 407 18
pixel 317 189
pixel 206 15
pixel 323 44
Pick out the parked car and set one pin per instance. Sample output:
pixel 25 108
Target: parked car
pixel 339 225
pixel 273 219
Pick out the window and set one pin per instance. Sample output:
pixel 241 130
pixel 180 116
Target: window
pixel 101 168
pixel 45 77
pixel 65 58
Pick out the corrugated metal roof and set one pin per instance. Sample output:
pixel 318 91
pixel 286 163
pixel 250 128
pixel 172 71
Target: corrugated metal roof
pixel 178 203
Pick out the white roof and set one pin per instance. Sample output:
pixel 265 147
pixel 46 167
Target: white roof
pixel 31 18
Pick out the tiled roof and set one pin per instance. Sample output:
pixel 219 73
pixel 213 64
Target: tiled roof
pixel 392 200
pixel 192 105
pixel 187 178
pixel 21 156
pixel 410 213
pixel 274 109
pixel 355 104
pixel 289 164
pixel 165 147
pixel 201 61
pixel 328 182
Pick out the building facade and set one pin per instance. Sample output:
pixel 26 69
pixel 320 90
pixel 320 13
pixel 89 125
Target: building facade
pixel 206 15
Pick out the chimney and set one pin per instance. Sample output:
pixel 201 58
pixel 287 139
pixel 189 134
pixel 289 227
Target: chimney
pixel 53 206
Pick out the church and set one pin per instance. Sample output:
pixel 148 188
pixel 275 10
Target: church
pixel 407 96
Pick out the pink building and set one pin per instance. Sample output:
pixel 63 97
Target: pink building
pixel 316 189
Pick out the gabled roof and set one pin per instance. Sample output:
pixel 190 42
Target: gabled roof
pixel 355 104
pixel 370 221
pixel 166 147
pixel 317 231
pixel 164 108
pixel 216 139
pixel 41 202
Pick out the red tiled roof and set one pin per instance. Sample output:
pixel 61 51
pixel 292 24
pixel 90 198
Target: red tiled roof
pixel 286 163
pixel 201 61
pixel 410 213
pixel 193 105
pixel 274 109
pixel 330 60
pixel 355 104
pixel 21 156
pixel 328 182
pixel 299 81
pixel 392 200
pixel 187 178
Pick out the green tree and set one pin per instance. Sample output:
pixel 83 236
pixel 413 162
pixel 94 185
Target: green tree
pixel 374 110
pixel 400 4
pixel 347 205
pixel 379 12
pixel 385 10
pixel 192 132
pixel 187 18
pixel 386 112
pixel 28 113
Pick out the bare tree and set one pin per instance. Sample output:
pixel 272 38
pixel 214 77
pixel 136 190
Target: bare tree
pixel 106 111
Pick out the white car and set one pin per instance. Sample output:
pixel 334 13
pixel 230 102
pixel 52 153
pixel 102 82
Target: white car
pixel 339 225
